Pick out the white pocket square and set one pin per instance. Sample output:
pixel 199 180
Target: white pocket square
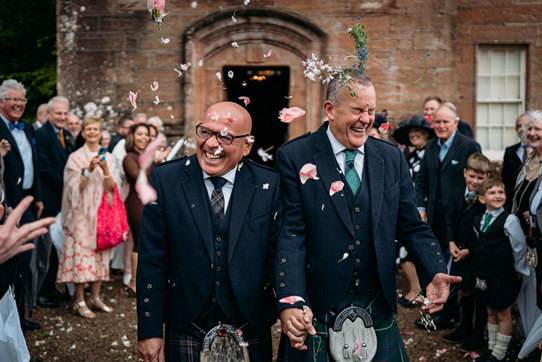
pixel 454 162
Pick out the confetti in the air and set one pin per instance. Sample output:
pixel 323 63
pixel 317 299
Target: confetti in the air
pixel 164 40
pixel 250 139
pixel 200 63
pixel 194 4
pixel 345 256
pixel 154 86
pixel 268 54
pixel 224 132
pixel 291 300
pixel 230 74
pixel 244 84
pixel 156 8
pixel 233 19
pixel 264 155
pixel 182 68
pixel 171 116
pixel 156 100
pixel 308 171
pixel 235 45
pixel 133 97
pixel 218 150
pixel 187 163
pixel 245 99
pixel 214 116
pixel 385 127
pixel 287 115
pixel 336 187
pixel 265 186
pixel 219 76
pixel 246 2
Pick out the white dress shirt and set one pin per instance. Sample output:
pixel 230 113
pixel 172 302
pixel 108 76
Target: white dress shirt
pixel 340 156
pixel 227 189
pixel 25 149
pixel 512 229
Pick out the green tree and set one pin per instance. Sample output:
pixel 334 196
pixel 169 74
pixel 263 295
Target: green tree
pixel 28 48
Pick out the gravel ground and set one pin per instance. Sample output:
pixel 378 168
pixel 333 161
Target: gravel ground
pixel 113 337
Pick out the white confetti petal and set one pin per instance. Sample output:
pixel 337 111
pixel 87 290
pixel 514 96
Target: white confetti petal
pixel 114 344
pixel 233 19
pixel 200 63
pixel 234 44
pixel 194 4
pixel 219 76
pixel 164 40
pixel 218 150
pixel 156 100
pixel 230 74
pixel 246 2
pixel 73 346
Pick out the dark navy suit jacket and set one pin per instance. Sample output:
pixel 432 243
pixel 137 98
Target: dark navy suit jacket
pixel 14 174
pixel 510 168
pixel 175 271
pixel 52 160
pixel 450 174
pixel 317 228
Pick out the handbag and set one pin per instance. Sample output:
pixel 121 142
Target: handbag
pixel 111 222
pixel 12 344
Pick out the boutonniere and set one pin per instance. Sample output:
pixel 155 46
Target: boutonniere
pixel 68 138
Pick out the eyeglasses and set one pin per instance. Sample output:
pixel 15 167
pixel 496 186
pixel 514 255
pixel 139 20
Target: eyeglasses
pixel 15 100
pixel 206 133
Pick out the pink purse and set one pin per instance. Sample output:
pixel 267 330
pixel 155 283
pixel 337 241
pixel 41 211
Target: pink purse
pixel 111 222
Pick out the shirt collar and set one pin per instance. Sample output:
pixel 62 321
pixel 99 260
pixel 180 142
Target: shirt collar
pixel 338 147
pixel 56 129
pixel 229 176
pixel 495 213
pixel 5 120
pixel 448 142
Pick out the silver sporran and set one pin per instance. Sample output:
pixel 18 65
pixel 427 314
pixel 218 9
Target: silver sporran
pixel 224 343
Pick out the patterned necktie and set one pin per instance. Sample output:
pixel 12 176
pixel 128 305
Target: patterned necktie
pixel 350 171
pixel 61 139
pixel 486 222
pixel 217 198
pixel 18 125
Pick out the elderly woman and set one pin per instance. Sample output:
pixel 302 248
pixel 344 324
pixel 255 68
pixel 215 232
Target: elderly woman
pixel 527 203
pixel 86 176
pixel 415 133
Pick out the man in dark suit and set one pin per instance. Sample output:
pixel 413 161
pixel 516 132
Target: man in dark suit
pixel 346 197
pixel 54 146
pixel 124 126
pixel 207 244
pixel 21 174
pixel 514 156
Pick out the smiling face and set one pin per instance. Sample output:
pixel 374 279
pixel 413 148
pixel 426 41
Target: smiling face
pixel 11 110
pixel 58 115
pixel 217 162
pixel 92 133
pixel 494 198
pixel 74 124
pixel 351 120
pixel 418 137
pixel 141 138
pixel 474 179
pixel 521 124
pixel 444 123
pixel 430 107
pixel 534 136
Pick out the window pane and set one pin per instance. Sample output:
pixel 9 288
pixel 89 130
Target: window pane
pixel 514 57
pixel 512 87
pixel 484 65
pixel 510 136
pixel 482 137
pixel 484 89
pixel 495 138
pixel 498 61
pixel 511 112
pixel 496 115
pixel 482 115
pixel 498 87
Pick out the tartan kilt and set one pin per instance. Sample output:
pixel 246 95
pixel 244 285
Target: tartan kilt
pixel 390 346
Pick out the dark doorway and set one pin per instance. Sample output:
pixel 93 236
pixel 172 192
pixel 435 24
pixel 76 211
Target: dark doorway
pixel 267 88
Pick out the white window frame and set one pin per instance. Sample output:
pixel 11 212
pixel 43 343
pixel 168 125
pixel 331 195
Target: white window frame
pixel 506 126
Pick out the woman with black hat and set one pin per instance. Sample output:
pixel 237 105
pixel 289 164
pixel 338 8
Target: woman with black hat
pixel 414 132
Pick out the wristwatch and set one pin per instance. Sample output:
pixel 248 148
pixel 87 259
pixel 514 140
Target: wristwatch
pixel 84 172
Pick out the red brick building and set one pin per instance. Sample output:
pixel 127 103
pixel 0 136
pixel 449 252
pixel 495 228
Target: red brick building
pixel 486 56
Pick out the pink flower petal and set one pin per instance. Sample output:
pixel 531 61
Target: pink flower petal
pixel 291 300
pixel 474 355
pixel 144 190
pixel 133 97
pixel 250 139
pixel 268 54
pixel 214 116
pixel 245 99
pixel 154 86
pixel 385 127
pixel 287 115
pixel 308 171
pixel 336 187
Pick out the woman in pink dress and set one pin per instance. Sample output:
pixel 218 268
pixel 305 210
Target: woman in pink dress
pixel 86 176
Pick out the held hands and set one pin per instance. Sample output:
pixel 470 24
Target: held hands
pixel 438 290
pixel 296 324
pixel 151 350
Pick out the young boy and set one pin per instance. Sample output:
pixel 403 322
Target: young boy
pixel 461 237
pixel 499 255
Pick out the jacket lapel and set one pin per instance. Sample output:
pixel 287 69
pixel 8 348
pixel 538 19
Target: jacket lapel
pixel 432 154
pixel 6 133
pixel 53 138
pixel 451 151
pixel 243 191
pixel 329 172
pixel 196 195
pixel 374 165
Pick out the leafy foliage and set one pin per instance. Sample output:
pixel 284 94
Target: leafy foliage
pixel 28 48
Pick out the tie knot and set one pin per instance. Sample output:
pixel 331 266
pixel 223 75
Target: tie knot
pixel 350 155
pixel 218 182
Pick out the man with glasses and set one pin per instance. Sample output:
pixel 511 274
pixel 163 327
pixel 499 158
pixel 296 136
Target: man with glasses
pixel 124 126
pixel 207 243
pixel 21 175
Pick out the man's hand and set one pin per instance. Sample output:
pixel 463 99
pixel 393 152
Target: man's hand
pixel 423 215
pixel 437 291
pixel 151 350
pixel 39 209
pixel 12 239
pixel 454 250
pixel 296 324
pixel 463 253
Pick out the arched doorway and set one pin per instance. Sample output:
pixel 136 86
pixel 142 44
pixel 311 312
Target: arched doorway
pixel 207 45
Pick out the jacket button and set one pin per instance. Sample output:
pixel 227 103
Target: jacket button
pixel 441 261
pixel 350 247
pixel 147 314
pixel 219 253
pixel 358 242
pixel 217 283
pixel 438 252
pixel 358 260
pixel 218 269
pixel 283 260
pixel 433 243
pixel 149 286
pixel 218 238
pixel 356 209
pixel 282 285
pixel 281 274
pixel 357 227
pixel 146 300
pixel 213 299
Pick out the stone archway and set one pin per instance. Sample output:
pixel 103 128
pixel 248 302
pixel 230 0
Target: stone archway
pixel 257 30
